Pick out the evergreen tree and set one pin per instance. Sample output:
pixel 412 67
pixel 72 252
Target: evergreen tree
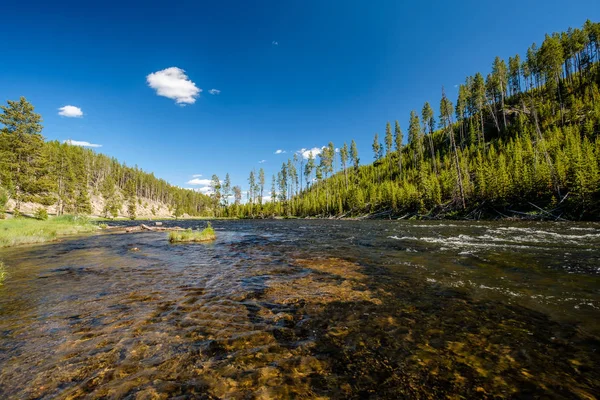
pixel 398 138
pixel 226 190
pixel 429 123
pixel 215 186
pixel 354 154
pixel 414 137
pixel 376 147
pixel 344 160
pixel 21 162
pixel 130 195
pixel 261 184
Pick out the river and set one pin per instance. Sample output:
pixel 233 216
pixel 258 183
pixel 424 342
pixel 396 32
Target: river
pixel 307 309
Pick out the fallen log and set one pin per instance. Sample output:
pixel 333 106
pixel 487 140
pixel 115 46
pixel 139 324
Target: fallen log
pixel 144 227
pixel 159 228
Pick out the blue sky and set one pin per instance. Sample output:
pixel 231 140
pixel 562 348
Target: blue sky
pixel 291 74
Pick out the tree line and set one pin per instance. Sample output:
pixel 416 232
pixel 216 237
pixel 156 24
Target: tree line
pixel 60 174
pixel 521 138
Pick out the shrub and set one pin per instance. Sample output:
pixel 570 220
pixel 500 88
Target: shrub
pixel 3 201
pixel 188 235
pixel 41 214
pixel 2 272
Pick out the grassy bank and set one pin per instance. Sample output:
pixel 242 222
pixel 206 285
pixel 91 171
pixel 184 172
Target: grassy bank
pixel 18 231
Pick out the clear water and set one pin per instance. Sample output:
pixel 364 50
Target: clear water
pixel 307 309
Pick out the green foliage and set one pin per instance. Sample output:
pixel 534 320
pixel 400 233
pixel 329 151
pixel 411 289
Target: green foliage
pixel 22 161
pixel 59 173
pixel 18 231
pixel 528 136
pixel 41 214
pixel 3 273
pixel 3 201
pixel 188 235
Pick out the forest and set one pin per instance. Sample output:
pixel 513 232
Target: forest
pixel 520 141
pixel 64 175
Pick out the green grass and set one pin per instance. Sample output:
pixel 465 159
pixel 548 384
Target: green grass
pixel 2 273
pixel 16 231
pixel 208 234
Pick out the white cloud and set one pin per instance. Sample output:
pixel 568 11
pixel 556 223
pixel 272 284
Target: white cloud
pixel 196 175
pixel 315 152
pixel 279 151
pixel 214 91
pixel 262 161
pixel 205 185
pixel 200 182
pixel 275 43
pixel 205 190
pixel 81 143
pixel 174 84
pixel 70 111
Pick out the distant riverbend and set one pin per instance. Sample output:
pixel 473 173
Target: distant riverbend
pixel 306 309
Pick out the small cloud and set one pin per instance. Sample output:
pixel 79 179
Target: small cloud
pixel 275 43
pixel 70 112
pixel 337 149
pixel 201 182
pixel 174 84
pixel 196 175
pixel 262 161
pixel 81 143
pixel 315 151
pixel 214 91
pixel 205 190
pixel 279 151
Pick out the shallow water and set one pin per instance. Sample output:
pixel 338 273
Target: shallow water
pixel 307 309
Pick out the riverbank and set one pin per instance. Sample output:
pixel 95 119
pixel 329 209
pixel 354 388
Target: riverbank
pixel 17 231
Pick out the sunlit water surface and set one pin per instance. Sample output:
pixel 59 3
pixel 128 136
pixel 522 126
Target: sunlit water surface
pixel 307 309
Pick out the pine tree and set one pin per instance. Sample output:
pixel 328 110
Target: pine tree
pixel 308 170
pixel 21 162
pixel 130 195
pixel 376 146
pixel 398 138
pixel 226 189
pixel 344 160
pixel 446 109
pixel 414 137
pixel 112 199
pixel 354 154
pixel 429 123
pixel 500 81
pixel 388 138
pixel 261 184
pixel 215 185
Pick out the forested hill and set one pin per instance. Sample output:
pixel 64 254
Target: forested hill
pixel 521 140
pixel 71 179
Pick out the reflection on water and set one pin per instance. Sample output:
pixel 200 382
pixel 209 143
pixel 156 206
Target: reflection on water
pixel 307 309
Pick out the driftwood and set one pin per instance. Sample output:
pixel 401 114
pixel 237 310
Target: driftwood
pixel 144 227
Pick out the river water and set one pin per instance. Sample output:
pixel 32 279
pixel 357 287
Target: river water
pixel 307 309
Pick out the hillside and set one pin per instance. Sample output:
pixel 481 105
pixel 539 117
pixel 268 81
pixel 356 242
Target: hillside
pixel 520 141
pixel 67 179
